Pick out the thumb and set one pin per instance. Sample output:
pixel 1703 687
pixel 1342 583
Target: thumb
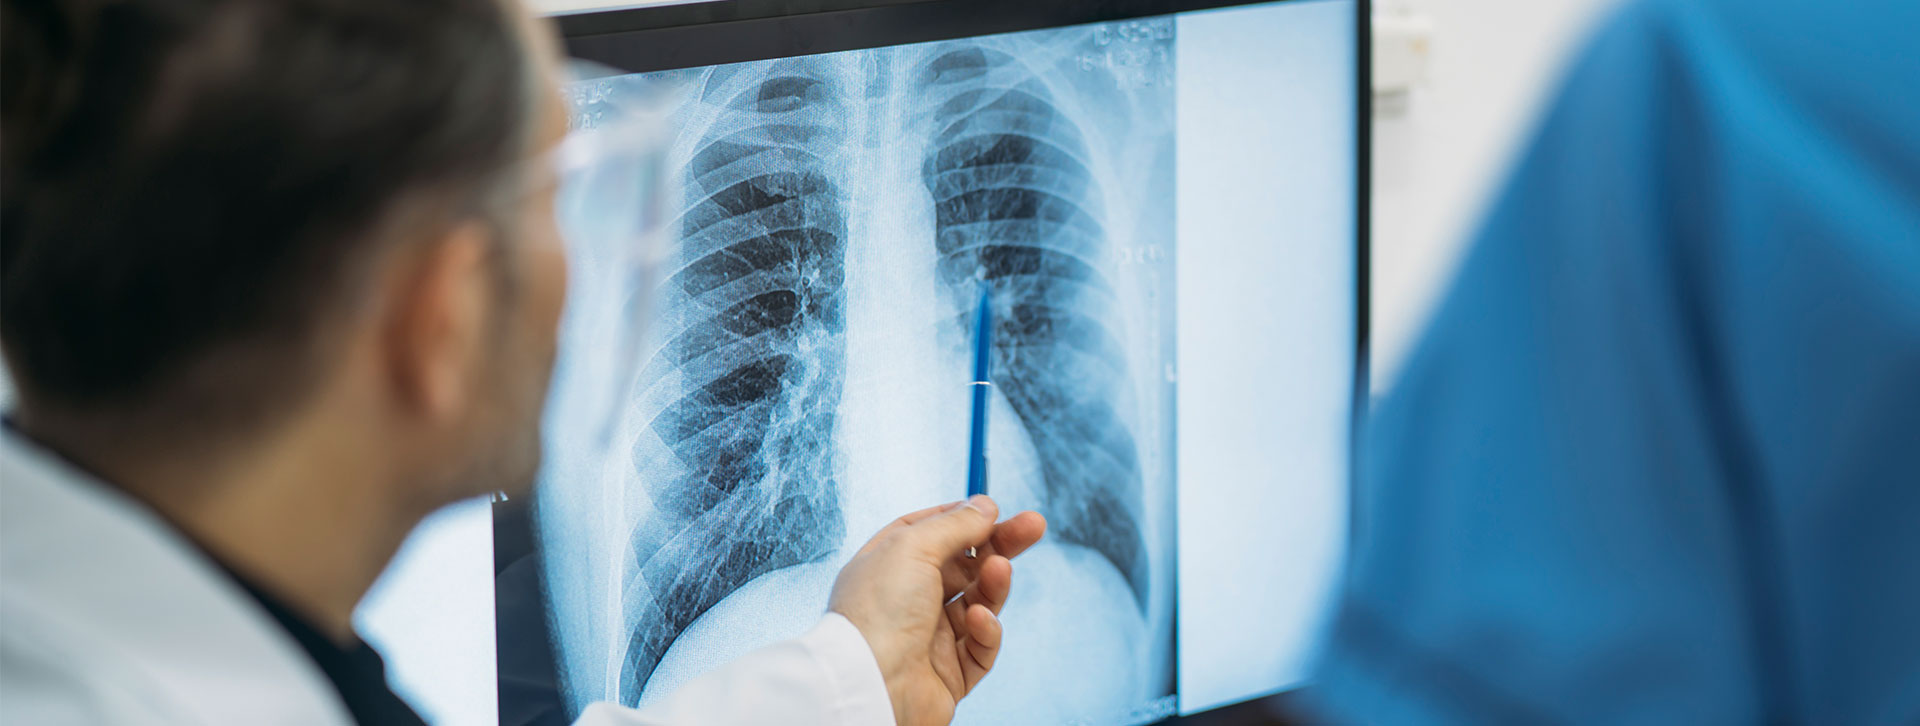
pixel 945 535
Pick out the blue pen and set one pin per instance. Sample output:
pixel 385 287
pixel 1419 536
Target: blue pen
pixel 982 345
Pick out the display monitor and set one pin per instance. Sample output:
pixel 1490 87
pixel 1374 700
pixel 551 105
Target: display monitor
pixel 1163 204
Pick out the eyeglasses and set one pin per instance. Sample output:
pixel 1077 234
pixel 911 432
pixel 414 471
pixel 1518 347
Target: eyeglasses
pixel 611 206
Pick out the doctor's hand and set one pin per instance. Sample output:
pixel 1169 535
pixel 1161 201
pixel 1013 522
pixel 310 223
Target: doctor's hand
pixel 900 591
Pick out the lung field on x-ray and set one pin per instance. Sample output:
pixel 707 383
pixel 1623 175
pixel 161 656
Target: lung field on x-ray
pixel 752 368
pixel 1017 206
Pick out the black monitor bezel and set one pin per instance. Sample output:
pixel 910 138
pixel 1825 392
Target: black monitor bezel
pixel 665 37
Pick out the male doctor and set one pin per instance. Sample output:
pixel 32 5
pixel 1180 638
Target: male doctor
pixel 280 279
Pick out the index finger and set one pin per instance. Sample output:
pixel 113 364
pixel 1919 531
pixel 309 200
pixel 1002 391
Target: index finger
pixel 907 520
pixel 950 532
pixel 1009 539
pixel 1014 536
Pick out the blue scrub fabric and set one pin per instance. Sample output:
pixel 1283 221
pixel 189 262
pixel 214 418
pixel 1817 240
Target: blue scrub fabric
pixel 1657 459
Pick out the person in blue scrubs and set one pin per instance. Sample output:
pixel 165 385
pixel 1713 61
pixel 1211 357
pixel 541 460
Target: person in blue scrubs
pixel 1657 459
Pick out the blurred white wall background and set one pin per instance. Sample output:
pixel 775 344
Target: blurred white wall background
pixel 1438 155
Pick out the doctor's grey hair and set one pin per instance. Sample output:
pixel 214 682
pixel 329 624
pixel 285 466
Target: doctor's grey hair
pixel 191 190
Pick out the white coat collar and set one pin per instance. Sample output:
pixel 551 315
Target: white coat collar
pixel 109 606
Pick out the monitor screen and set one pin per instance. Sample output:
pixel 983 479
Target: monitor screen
pixel 1162 212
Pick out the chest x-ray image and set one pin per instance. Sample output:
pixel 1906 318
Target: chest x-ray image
pixel 804 377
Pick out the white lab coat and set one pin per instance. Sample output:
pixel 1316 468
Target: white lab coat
pixel 108 616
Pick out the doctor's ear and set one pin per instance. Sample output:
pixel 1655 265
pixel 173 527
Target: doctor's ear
pixel 440 295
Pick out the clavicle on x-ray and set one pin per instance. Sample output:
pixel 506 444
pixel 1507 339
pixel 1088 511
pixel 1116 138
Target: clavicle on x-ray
pixel 803 379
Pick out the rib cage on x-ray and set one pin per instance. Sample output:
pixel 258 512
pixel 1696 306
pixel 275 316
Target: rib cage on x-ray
pixel 733 420
pixel 746 384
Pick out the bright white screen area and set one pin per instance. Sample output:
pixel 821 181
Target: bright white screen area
pixel 1266 169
